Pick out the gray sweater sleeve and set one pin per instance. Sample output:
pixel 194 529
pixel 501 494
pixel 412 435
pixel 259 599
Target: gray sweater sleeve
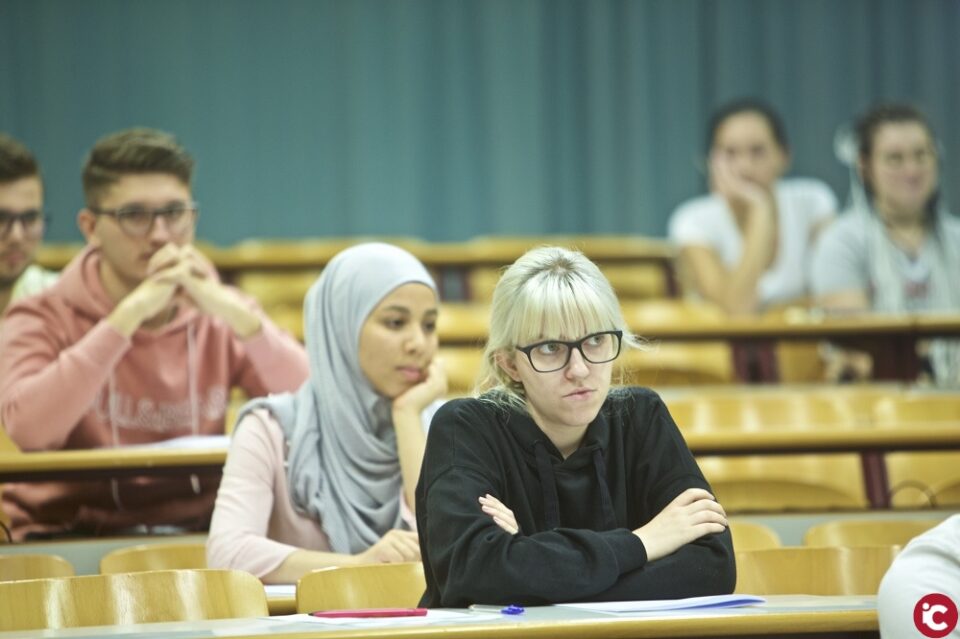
pixel 839 261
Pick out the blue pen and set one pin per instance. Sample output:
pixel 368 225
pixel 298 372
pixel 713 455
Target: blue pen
pixel 512 609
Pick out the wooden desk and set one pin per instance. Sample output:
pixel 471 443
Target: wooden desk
pixel 450 261
pixel 783 616
pixel 892 340
pixel 870 441
pixel 108 462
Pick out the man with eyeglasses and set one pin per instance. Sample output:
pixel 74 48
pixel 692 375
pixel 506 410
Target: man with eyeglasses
pixel 21 223
pixel 138 342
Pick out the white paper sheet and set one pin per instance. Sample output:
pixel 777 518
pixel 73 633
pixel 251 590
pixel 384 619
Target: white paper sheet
pixel 280 590
pixel 717 601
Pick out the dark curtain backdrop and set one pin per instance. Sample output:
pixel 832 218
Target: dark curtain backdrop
pixel 446 119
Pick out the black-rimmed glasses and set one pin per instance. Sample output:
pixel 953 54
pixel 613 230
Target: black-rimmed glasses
pixel 552 355
pixel 30 221
pixel 137 220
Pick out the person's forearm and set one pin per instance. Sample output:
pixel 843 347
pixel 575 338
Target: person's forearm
pixel 278 363
pixel 300 562
pixel 244 322
pixel 33 418
pixel 704 567
pixel 411 442
pixel 759 245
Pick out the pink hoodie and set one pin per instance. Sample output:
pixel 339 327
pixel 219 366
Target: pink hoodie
pixel 69 380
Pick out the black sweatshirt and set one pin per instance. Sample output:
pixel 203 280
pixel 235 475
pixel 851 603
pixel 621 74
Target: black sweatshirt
pixel 576 515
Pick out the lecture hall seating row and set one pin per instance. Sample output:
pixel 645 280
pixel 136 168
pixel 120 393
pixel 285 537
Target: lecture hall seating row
pixel 200 594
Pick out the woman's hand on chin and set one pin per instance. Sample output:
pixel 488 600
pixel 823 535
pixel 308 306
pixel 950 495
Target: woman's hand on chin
pixel 421 395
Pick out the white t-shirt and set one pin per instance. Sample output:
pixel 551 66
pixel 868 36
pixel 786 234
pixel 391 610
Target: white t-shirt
pixel 929 564
pixel 802 203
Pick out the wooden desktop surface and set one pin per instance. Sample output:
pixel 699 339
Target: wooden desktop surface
pixel 871 442
pixel 462 322
pixel 782 616
pixel 108 462
pixel 111 462
pixel 891 340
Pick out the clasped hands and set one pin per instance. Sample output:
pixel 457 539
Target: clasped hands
pixel 181 274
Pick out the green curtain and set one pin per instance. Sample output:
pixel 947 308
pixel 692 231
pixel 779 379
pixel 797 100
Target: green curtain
pixel 446 119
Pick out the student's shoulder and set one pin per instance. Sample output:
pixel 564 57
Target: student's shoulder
pixel 702 206
pixel 849 230
pixel 951 223
pixel 466 411
pixel 805 186
pixel 258 432
pixel 633 405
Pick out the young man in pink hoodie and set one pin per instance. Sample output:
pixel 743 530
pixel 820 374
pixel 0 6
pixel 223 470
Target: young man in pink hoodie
pixel 137 342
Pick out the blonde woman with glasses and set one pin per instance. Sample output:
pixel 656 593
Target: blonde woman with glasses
pixel 551 485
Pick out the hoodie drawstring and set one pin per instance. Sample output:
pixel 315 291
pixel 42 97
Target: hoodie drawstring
pixel 606 501
pixel 115 434
pixel 194 400
pixel 551 503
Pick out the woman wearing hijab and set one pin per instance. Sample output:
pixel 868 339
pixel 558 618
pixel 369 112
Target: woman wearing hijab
pixel 326 476
pixel 552 486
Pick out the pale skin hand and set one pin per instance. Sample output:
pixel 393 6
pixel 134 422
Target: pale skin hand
pixel 501 515
pixel 411 441
pixel 395 546
pixel 149 299
pixel 693 514
pixel 181 273
pixel 212 297
pixel 735 288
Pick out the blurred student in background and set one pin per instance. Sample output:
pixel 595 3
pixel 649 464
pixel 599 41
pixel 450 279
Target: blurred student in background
pixel 21 223
pixel 326 476
pixel 745 246
pixel 897 250
pixel 137 342
pixel 551 486
pixel 925 573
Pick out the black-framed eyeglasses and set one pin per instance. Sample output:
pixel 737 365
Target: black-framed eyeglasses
pixel 137 220
pixel 552 355
pixel 31 221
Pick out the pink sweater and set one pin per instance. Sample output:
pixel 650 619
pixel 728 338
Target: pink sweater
pixel 255 525
pixel 69 380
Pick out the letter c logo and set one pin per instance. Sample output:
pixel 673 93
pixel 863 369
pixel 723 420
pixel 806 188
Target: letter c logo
pixel 935 615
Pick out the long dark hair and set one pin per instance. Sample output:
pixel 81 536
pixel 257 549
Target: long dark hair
pixel 866 129
pixel 747 105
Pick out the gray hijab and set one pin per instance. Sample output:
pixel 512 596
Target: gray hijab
pixel 342 467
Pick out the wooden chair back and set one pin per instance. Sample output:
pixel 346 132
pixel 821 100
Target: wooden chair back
pixel 143 557
pixel 677 364
pixel 813 571
pixel 130 598
pixel 778 483
pixel 750 536
pixel 33 566
pixel 768 410
pixel 370 586
pixel 924 479
pixel 6 446
pixel 867 532
pixel 462 365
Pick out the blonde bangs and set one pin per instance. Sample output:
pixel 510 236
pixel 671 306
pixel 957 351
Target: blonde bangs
pixel 566 307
